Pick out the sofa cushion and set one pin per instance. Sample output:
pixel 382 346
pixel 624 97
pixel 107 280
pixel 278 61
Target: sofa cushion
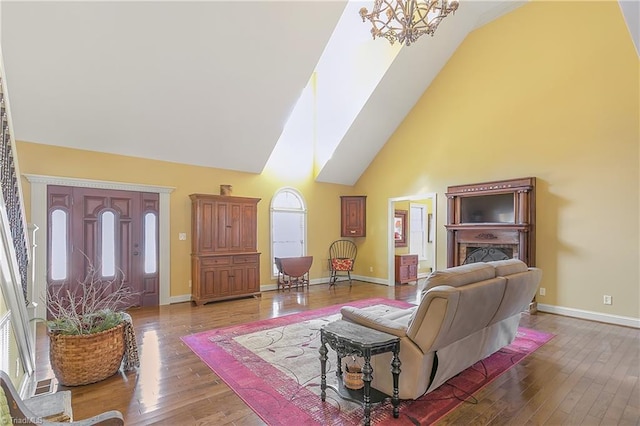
pixel 508 266
pixel 339 264
pixel 519 291
pixel 461 275
pixel 475 308
pixel 379 317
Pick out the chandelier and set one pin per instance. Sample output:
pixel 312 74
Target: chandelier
pixel 406 20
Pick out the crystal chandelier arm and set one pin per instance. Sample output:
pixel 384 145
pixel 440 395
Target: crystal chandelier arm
pixel 394 13
pixel 406 20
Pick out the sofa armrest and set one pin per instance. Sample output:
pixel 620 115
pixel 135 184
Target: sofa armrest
pixel 362 317
pixel 108 418
pixel 51 406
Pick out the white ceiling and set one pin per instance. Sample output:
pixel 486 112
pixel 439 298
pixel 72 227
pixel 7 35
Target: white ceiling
pixel 208 83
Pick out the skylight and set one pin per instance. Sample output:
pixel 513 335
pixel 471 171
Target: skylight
pixel 346 75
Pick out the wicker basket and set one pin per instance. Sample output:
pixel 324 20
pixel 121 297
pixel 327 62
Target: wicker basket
pixel 89 358
pixel 352 377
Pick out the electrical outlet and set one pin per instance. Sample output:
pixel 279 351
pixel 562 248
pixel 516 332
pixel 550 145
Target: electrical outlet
pixel 189 283
pixel 370 268
pixel 607 300
pixel 182 236
pixel 543 291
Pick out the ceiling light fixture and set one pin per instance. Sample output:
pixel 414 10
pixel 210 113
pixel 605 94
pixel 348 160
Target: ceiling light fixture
pixel 406 20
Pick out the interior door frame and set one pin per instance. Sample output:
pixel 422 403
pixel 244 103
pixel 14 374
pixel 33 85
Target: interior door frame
pixel 391 244
pixel 39 218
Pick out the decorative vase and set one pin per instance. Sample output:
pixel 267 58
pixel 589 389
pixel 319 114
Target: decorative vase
pixel 86 358
pixel 226 189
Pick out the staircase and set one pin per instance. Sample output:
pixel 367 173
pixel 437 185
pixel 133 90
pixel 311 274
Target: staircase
pixel 17 348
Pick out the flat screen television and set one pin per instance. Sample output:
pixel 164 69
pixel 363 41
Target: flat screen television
pixel 494 208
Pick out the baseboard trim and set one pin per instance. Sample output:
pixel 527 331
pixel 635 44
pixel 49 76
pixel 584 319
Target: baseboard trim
pixel 272 287
pixel 590 315
pixel 325 281
pixel 180 299
pixel 374 280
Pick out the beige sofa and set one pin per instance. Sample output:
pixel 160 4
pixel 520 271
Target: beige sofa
pixel 465 314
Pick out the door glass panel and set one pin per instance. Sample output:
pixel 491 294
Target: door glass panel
pixel 58 245
pixel 108 260
pixel 418 231
pixel 150 257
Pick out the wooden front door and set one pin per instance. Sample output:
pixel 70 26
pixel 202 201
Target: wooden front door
pixel 114 231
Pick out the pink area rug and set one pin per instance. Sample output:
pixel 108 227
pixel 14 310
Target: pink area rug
pixel 274 366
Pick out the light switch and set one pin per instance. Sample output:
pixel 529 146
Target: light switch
pixel 182 236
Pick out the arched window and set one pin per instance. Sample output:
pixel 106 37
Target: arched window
pixel 288 226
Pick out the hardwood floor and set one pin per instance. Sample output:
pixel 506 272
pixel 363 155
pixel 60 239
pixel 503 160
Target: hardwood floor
pixel 587 374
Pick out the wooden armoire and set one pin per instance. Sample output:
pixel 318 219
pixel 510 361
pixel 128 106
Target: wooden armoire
pixel 225 263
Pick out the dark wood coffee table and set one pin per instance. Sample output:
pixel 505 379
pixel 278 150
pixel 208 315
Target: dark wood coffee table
pixel 350 339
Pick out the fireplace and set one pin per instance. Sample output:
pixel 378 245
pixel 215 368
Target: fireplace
pixel 491 221
pixel 486 245
pixel 472 254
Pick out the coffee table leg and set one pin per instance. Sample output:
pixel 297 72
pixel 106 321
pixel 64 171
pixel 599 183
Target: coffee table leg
pixel 395 370
pixel 323 368
pixel 366 378
pixel 339 354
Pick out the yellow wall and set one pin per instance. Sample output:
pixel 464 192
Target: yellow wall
pixel 323 228
pixel 550 90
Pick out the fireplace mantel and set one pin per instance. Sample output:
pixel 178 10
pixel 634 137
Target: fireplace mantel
pixel 496 215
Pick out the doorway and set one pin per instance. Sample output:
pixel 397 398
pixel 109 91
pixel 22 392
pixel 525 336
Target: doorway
pixel 112 234
pixel 39 220
pixel 423 230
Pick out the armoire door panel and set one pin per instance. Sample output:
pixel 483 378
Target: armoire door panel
pixel 222 225
pixel 206 223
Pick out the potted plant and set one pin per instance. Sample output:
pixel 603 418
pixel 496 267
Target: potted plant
pixel 90 334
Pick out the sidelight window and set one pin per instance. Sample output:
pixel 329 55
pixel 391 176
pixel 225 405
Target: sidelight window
pixel 59 250
pixel 108 228
pixel 150 236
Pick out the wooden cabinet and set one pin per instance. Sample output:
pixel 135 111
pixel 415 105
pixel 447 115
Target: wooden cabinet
pixel 225 263
pixel 406 268
pixel 353 222
pixel 223 224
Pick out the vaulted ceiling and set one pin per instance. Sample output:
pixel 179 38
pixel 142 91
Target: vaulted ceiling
pixel 210 83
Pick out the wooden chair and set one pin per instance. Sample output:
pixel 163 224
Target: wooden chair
pixel 293 271
pixel 342 257
pixel 47 409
